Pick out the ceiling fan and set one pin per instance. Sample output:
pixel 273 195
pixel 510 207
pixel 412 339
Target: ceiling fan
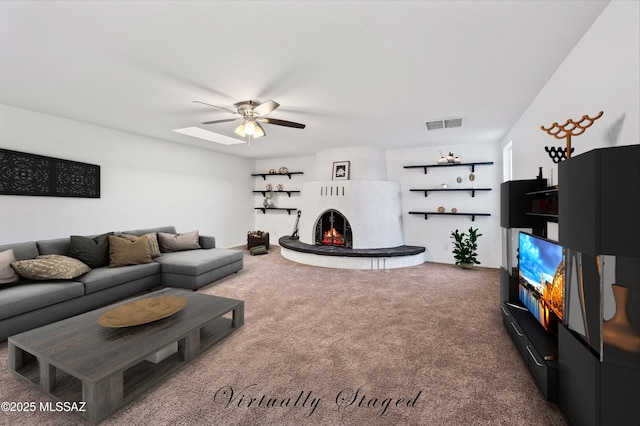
pixel 252 114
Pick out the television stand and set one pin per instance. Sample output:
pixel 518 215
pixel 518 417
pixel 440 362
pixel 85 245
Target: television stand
pixel 538 348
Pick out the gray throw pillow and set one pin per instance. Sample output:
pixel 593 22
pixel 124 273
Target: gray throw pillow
pixel 92 251
pixel 7 274
pixel 179 242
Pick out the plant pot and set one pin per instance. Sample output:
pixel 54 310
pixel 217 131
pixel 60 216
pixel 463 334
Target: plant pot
pixel 466 265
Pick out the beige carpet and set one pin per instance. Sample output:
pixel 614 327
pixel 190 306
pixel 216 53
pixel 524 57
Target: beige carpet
pixel 417 346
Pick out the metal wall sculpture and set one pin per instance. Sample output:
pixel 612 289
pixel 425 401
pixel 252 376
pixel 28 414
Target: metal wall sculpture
pixel 29 174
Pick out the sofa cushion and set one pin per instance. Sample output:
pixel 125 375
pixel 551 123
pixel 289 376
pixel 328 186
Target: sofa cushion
pixel 22 250
pixel 94 251
pixel 50 267
pixel 102 278
pixel 152 240
pixel 178 242
pixel 55 246
pixel 123 252
pixel 7 273
pixel 197 262
pixel 21 298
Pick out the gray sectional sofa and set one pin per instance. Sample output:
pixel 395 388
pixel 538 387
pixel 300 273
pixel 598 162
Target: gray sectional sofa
pixel 30 304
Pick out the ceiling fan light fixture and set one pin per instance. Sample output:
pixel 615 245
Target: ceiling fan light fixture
pixel 259 131
pixel 240 130
pixel 249 128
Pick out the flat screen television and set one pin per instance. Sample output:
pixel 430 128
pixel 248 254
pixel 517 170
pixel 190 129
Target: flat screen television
pixel 541 279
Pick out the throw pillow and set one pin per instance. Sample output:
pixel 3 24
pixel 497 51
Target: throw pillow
pixel 152 239
pixel 123 252
pixel 50 267
pixel 179 242
pixel 92 251
pixel 7 274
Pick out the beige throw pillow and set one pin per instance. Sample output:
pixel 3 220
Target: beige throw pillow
pixel 50 267
pixel 7 274
pixel 179 242
pixel 123 252
pixel 152 238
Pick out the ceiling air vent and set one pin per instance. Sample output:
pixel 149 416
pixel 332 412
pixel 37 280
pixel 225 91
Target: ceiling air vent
pixel 448 123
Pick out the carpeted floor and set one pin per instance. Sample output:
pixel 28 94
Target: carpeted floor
pixel 416 346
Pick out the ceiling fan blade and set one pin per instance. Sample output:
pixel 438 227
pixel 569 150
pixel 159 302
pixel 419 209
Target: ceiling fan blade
pixel 282 122
pixel 266 107
pixel 221 121
pixel 216 106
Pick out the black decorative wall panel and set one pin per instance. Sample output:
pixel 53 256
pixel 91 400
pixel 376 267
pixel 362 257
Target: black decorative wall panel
pixel 29 174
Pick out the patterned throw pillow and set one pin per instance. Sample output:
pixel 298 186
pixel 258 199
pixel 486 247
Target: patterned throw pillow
pixel 92 251
pixel 7 274
pixel 152 238
pixel 50 267
pixel 179 242
pixel 123 252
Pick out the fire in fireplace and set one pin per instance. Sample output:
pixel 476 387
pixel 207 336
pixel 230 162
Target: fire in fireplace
pixel 333 229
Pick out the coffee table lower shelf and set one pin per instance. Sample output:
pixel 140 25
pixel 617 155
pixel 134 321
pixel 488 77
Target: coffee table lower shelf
pixel 106 390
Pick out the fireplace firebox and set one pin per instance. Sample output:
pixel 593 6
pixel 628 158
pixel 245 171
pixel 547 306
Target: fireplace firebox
pixel 333 229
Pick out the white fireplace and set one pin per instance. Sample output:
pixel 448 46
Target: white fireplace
pixel 370 205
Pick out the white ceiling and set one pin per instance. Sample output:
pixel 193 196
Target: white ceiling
pixel 364 73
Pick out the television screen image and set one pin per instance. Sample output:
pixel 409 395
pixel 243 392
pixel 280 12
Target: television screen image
pixel 541 279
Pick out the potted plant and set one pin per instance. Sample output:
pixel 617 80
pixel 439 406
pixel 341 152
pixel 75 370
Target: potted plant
pixel 464 247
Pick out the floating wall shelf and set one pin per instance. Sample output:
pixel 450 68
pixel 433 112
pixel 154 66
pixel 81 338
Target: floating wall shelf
pixel 264 175
pixel 472 165
pixel 288 209
pixel 473 215
pixel 473 190
pixel 264 193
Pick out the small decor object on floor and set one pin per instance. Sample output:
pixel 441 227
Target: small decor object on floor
pixel 142 311
pixel 464 248
pixel 565 131
pixel 257 238
pixel 283 170
pixel 441 209
pixel 258 250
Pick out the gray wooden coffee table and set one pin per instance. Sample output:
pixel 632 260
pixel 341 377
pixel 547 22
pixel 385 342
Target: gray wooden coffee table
pixel 77 360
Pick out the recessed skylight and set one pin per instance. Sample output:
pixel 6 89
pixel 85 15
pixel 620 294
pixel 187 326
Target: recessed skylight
pixel 447 123
pixel 199 133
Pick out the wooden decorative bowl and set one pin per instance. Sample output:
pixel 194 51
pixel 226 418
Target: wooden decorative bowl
pixel 142 311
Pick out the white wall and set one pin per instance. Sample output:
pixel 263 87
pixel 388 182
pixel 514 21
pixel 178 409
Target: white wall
pixel 600 74
pixel 434 233
pixel 145 182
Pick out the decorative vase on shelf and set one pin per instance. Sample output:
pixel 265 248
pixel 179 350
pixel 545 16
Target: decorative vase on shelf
pixel 618 331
